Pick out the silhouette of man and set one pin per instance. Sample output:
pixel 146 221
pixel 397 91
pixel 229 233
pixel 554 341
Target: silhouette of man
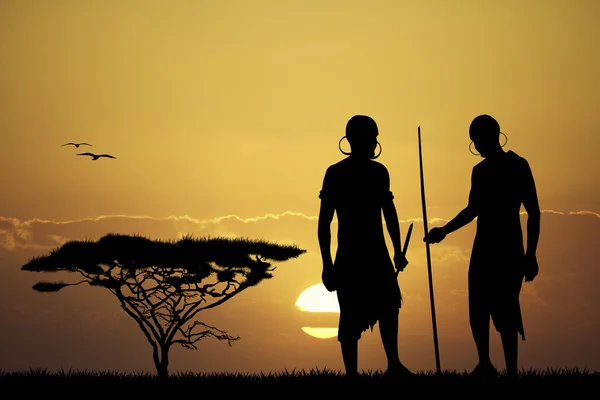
pixel 357 188
pixel 500 184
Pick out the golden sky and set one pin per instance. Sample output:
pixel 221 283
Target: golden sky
pixel 224 115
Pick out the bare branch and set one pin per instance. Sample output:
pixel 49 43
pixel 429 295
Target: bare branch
pixel 191 336
pixel 133 313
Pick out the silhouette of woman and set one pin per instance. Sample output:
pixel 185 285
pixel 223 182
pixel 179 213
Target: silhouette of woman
pixel 357 188
pixel 500 184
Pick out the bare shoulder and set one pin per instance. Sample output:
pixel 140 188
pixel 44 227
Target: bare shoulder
pixel 477 168
pixel 335 167
pixel 379 167
pixel 515 156
pixel 518 160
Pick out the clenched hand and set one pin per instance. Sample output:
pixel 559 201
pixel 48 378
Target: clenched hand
pixel 435 235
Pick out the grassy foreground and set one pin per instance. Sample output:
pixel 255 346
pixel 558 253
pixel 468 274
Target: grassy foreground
pixel 44 377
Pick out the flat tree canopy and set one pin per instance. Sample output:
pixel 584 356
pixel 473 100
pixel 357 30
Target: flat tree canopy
pixel 163 284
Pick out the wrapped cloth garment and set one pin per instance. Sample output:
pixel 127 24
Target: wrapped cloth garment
pixel 367 287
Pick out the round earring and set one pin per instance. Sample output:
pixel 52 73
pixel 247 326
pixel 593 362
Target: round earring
pixel 502 145
pixel 380 150
pixel 472 152
pixel 340 146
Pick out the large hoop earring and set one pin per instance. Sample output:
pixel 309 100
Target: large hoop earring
pixel 380 150
pixel 502 145
pixel 472 152
pixel 340 147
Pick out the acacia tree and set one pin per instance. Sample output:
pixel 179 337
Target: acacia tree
pixel 164 284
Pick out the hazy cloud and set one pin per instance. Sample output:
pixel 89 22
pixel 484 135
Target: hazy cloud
pixel 38 233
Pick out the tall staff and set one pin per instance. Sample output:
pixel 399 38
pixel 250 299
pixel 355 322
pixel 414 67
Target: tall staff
pixel 423 205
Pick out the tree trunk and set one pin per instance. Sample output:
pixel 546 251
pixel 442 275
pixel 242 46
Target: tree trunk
pixel 162 364
pixel 162 370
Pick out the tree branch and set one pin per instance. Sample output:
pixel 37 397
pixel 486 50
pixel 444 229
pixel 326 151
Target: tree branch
pixel 139 318
pixel 192 337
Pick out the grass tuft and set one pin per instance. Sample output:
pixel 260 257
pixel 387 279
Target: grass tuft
pixel 37 376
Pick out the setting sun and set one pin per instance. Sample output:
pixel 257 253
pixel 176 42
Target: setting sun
pixel 321 333
pixel 317 299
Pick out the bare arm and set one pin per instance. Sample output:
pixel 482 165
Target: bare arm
pixel 464 217
pixel 469 213
pixel 324 231
pixel 326 212
pixel 393 226
pixel 391 216
pixel 532 207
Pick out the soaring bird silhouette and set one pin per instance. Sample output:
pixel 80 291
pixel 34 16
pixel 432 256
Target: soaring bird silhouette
pixel 76 144
pixel 95 156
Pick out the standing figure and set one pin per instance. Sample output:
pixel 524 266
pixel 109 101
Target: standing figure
pixel 500 184
pixel 357 189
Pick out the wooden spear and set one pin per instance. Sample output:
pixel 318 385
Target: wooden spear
pixel 424 206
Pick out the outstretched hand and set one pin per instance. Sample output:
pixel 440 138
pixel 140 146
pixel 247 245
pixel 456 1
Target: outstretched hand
pixel 400 262
pixel 531 267
pixel 435 235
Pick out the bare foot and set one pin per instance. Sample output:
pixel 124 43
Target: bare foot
pixel 484 371
pixel 398 371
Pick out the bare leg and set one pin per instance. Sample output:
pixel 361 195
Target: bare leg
pixel 350 356
pixel 479 319
pixel 388 328
pixel 480 328
pixel 510 344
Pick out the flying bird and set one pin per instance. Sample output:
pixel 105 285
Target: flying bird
pixel 76 144
pixel 95 156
